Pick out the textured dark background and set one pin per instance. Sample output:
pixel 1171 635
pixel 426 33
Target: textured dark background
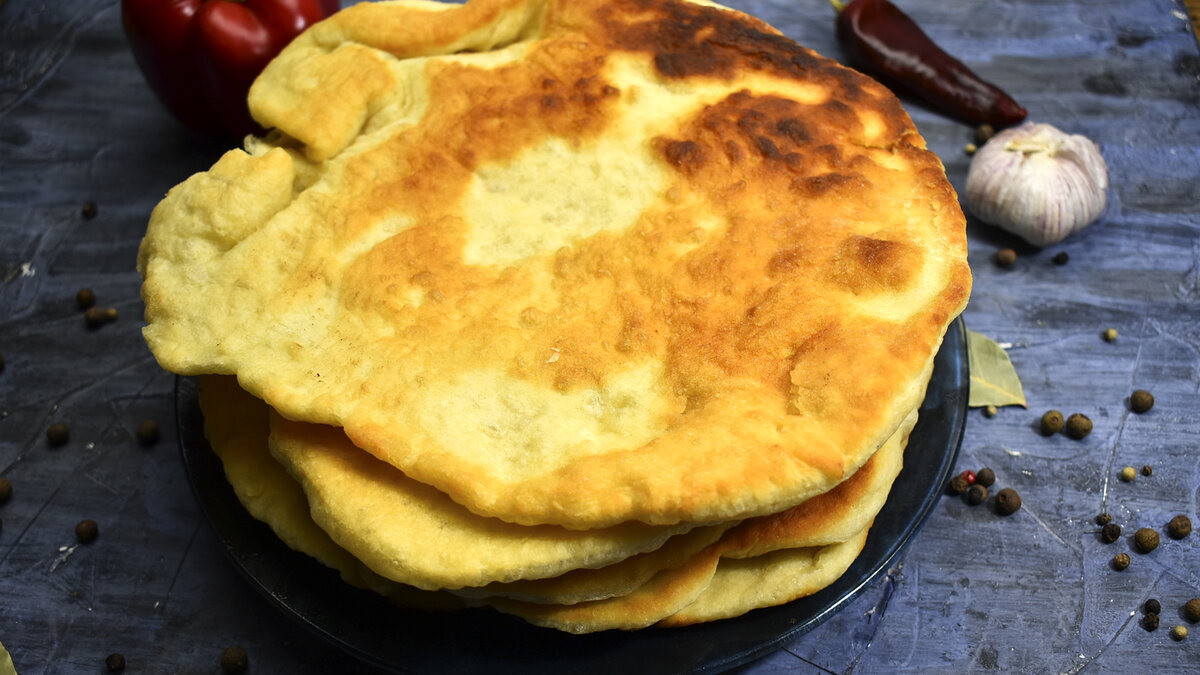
pixel 1029 593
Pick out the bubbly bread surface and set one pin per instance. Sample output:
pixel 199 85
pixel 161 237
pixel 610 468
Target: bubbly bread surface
pixel 570 262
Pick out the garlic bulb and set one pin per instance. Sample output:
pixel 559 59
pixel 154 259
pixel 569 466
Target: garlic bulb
pixel 1038 183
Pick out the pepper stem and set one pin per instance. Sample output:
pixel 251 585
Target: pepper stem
pixel 838 5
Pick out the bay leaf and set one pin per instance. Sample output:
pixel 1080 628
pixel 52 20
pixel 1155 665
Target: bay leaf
pixel 994 381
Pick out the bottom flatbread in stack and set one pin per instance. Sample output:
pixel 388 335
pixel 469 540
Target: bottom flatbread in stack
pixel 385 533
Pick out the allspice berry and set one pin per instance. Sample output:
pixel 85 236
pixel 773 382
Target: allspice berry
pixel 1006 257
pixel 147 432
pixel 1103 519
pixel 1141 401
pixel 1120 561
pixel 1179 527
pixel 115 663
pixel 1110 533
pixel 1191 610
pixel 1007 502
pixel 58 434
pixel 1078 426
pixel 234 659
pixel 1145 539
pixel 1052 422
pixel 87 531
pixel 957 485
pixel 985 477
pixel 976 495
pixel 85 298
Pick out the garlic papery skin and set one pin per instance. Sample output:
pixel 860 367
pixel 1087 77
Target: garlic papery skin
pixel 1038 183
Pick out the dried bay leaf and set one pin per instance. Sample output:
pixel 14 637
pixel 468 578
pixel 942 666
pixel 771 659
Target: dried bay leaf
pixel 994 381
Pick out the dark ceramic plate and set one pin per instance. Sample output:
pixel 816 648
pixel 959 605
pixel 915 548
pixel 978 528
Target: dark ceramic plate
pixel 484 641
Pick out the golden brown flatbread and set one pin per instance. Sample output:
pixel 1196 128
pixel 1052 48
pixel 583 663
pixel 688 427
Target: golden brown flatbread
pixel 570 262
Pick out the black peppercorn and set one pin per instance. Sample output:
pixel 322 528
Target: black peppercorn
pixel 234 659
pixel 85 298
pixel 1179 527
pixel 1103 519
pixel 976 495
pixel 1 363
pixel 1152 606
pixel 985 477
pixel 87 530
pixel 984 133
pixel 957 485
pixel 1150 621
pixel 147 432
pixel 1120 561
pixel 1007 502
pixel 1006 257
pixel 58 434
pixel 94 317
pixel 1191 610
pixel 1147 470
pixel 115 663
pixel 1060 258
pixel 1141 401
pixel 1078 426
pixel 89 210
pixel 1052 422
pixel 5 490
pixel 1110 533
pixel 1145 539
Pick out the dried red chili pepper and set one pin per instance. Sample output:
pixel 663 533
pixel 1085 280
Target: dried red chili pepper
pixel 201 56
pixel 888 44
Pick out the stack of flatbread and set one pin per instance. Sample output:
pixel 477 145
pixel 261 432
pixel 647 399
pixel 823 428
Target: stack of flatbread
pixel 602 313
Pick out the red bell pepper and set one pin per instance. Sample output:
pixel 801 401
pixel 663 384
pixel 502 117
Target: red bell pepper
pixel 201 56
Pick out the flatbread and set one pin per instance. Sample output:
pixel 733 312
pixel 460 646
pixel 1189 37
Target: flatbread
pixel 739 585
pixel 572 262
pixel 409 532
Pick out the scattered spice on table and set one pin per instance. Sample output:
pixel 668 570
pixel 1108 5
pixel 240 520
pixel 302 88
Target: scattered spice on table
pixel 147 432
pixel 1052 422
pixel 1079 426
pixel 96 317
pixel 976 495
pixel 1145 539
pixel 970 148
pixel 58 434
pixel 1120 561
pixel 87 530
pixel 1191 610
pixel 1150 621
pixel 958 485
pixel 1147 470
pixel 985 477
pixel 1062 258
pixel 114 662
pixel 1128 474
pixel 1006 257
pixel 984 133
pixel 1 363
pixel 1152 606
pixel 1141 401
pixel 85 298
pixel 90 210
pixel 1110 533
pixel 234 659
pixel 1179 633
pixel 1179 527
pixel 5 490
pixel 990 411
pixel 1103 519
pixel 1008 501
